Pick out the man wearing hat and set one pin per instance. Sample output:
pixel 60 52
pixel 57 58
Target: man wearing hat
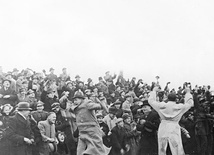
pixel 7 95
pixel 19 131
pixel 104 128
pixel 9 77
pixel 101 85
pixel 48 98
pixel 90 135
pixel 39 114
pixel 52 76
pixel 126 106
pixel 118 138
pixel 148 126
pixel 169 132
pixel 132 135
pixel 77 80
pixel 109 77
pixel 111 119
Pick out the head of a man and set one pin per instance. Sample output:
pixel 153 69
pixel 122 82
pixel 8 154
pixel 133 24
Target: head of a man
pixel 126 118
pixel 78 98
pixel 6 83
pixel 24 108
pixel 51 117
pixel 172 97
pixel 120 123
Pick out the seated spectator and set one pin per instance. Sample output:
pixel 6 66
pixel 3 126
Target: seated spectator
pixel 7 95
pixel 4 122
pixel 47 130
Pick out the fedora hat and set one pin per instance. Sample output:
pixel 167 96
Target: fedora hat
pixel 22 106
pixel 79 95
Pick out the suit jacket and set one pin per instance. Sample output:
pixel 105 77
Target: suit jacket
pixel 18 129
pixel 11 100
pixel 47 130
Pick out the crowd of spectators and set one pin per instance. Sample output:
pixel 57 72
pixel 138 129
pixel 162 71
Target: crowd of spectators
pixel 129 125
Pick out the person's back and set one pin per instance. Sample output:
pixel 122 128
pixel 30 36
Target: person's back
pixel 169 132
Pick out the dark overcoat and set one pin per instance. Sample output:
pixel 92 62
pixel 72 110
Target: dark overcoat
pixel 148 141
pixel 18 129
pixel 118 140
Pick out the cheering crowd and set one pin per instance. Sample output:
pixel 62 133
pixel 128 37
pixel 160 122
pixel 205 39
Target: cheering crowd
pixel 46 114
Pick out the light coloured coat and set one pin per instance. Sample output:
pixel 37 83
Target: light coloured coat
pixel 169 131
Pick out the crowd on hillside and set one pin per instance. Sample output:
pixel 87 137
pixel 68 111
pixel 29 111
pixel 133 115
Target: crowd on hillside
pixel 38 116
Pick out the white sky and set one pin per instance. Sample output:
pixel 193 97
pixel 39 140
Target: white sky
pixel 172 39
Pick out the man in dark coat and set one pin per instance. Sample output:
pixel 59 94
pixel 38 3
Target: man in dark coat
pixel 118 137
pixel 19 131
pixel 7 95
pixel 48 98
pixel 148 126
pixel 63 125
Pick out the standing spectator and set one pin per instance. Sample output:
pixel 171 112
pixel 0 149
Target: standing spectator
pixel 22 95
pixel 131 135
pixel 34 85
pixel 169 132
pixel 111 119
pixel 15 73
pixel 19 131
pixel 121 80
pixel 109 77
pixel 8 76
pixel 31 99
pixel 77 80
pixel 52 76
pixel 118 139
pixel 90 135
pixel 148 126
pixel 63 124
pixel 48 98
pixel 102 86
pixel 104 128
pixel 7 95
pixel 126 106
pixel 47 130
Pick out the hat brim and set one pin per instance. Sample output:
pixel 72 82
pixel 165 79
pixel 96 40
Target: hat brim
pixel 24 109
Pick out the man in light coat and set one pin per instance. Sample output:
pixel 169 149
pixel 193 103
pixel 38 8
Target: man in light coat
pixel 90 136
pixel 169 132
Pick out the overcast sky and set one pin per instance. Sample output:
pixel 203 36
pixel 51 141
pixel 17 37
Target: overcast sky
pixel 172 39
